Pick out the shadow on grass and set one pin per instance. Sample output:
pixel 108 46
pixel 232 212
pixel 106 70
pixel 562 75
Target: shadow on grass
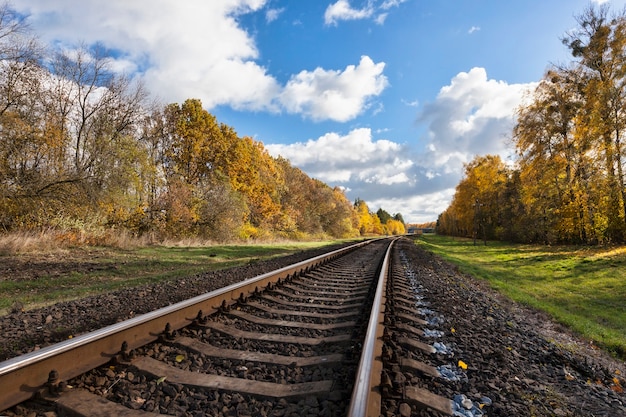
pixel 582 287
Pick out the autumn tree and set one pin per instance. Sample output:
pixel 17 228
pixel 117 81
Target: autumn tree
pixel 196 195
pixel 569 185
pixel 475 208
pixel 365 221
pixel 555 159
pixel 24 150
pixel 81 143
pixel 93 113
pixel 372 223
pixel 311 207
pixel 395 227
pixel 253 173
pixel 196 144
pixel 599 46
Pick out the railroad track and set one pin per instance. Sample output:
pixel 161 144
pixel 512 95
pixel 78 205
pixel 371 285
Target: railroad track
pixel 340 334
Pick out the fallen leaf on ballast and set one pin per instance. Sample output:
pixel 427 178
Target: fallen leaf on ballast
pixel 462 365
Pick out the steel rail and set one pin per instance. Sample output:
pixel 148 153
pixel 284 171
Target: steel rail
pixel 23 376
pixel 366 396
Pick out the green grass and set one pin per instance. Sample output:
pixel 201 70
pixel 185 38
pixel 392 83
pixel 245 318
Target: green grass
pixel 39 279
pixel 583 288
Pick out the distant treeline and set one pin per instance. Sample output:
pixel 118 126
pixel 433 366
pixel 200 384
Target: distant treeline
pixel 84 149
pixel 568 184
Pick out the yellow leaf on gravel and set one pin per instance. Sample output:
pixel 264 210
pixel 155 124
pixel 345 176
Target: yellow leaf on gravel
pixel 160 380
pixel 180 358
pixel 462 365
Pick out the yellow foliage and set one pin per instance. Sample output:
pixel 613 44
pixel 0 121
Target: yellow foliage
pixel 395 227
pixel 248 232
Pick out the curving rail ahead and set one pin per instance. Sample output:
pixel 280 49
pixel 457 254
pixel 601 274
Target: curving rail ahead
pixel 24 376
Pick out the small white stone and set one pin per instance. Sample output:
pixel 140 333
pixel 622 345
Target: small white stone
pixel 467 404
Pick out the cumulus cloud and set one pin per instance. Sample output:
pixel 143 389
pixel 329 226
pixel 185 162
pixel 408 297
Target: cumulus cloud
pixel 337 95
pixel 472 116
pixel 196 48
pixel 348 159
pixel 342 11
pixel 415 208
pixel 380 171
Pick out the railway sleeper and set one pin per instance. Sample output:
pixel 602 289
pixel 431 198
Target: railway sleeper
pixel 276 338
pixel 288 323
pixel 293 361
pixel 298 304
pixel 283 312
pixel 263 389
pixel 311 298
pixel 320 283
pixel 80 402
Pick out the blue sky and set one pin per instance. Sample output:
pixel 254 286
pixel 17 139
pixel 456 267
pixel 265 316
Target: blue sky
pixel 384 98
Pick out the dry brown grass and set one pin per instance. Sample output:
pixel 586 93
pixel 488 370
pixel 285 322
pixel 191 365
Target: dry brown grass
pixel 52 241
pixel 55 240
pixel 28 242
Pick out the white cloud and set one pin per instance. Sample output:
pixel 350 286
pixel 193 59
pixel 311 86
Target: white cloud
pixel 196 48
pixel 388 4
pixel 415 208
pixel 341 10
pixel 472 116
pixel 473 29
pixel 380 19
pixel 272 14
pixel 355 157
pixel 379 171
pixel 322 94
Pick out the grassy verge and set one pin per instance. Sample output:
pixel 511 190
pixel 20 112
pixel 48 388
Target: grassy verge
pixel 581 287
pixel 35 279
